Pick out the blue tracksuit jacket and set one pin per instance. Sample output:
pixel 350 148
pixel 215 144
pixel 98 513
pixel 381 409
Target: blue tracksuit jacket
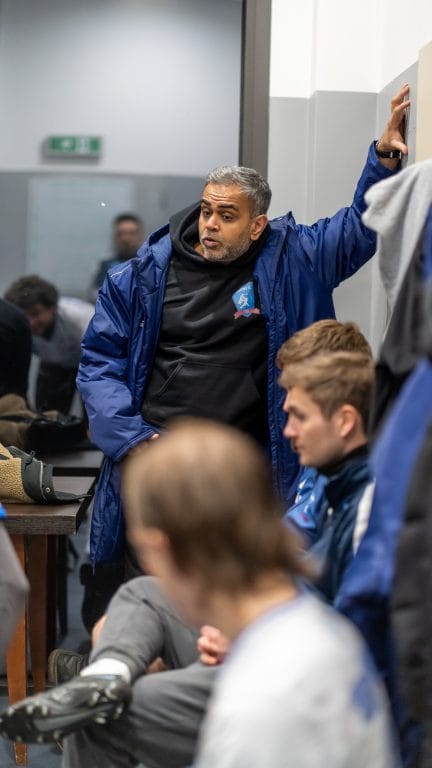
pixel 296 272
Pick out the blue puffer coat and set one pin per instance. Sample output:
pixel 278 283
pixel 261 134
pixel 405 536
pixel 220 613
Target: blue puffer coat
pixel 296 273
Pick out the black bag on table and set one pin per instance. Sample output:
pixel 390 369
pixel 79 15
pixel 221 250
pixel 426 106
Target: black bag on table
pixel 40 432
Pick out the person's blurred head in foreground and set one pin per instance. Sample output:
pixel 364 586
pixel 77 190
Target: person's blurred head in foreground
pixel 203 517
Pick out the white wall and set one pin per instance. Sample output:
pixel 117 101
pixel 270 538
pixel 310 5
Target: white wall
pixel 292 58
pixel 323 45
pixel 407 27
pixel 344 45
pixel 348 40
pixel 159 79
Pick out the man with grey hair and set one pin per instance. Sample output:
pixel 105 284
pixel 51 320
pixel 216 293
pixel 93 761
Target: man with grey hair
pixel 192 325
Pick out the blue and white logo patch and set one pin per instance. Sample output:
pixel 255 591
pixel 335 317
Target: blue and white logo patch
pixel 244 300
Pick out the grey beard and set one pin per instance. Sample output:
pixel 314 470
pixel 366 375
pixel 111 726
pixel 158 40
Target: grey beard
pixel 228 254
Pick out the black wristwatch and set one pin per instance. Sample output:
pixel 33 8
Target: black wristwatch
pixel 393 154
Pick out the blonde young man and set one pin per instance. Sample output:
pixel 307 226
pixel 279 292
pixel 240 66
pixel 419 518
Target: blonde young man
pixel 323 336
pixel 327 404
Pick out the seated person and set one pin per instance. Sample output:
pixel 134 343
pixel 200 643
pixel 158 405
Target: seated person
pixel 173 702
pixel 322 336
pixel 327 403
pixel 15 350
pixel 58 325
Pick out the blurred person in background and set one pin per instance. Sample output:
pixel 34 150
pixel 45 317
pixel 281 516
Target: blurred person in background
pixel 15 350
pixel 58 324
pixel 127 237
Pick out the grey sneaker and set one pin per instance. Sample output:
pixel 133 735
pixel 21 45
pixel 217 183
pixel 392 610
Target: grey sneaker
pixel 53 714
pixel 64 665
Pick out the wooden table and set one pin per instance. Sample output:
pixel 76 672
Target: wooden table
pixel 78 462
pixel 31 527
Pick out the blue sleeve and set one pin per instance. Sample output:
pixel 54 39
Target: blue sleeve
pixel 106 374
pixel 302 515
pixel 338 246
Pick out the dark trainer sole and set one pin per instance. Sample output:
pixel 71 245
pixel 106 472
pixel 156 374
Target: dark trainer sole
pixel 48 717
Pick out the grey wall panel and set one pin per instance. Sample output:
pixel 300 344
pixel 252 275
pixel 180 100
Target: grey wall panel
pixel 13 227
pixel 343 128
pixel 288 156
pixel 158 197
pixel 317 150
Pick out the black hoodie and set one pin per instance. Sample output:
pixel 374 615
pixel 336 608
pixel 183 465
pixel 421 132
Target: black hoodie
pixel 211 359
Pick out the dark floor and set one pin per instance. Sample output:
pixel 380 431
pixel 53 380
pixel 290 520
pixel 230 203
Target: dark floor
pixel 48 756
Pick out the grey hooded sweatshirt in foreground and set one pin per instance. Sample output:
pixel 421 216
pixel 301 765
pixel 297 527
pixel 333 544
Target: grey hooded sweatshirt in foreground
pixel 13 590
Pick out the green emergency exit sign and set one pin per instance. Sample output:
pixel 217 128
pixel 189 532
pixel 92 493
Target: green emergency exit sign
pixel 73 146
